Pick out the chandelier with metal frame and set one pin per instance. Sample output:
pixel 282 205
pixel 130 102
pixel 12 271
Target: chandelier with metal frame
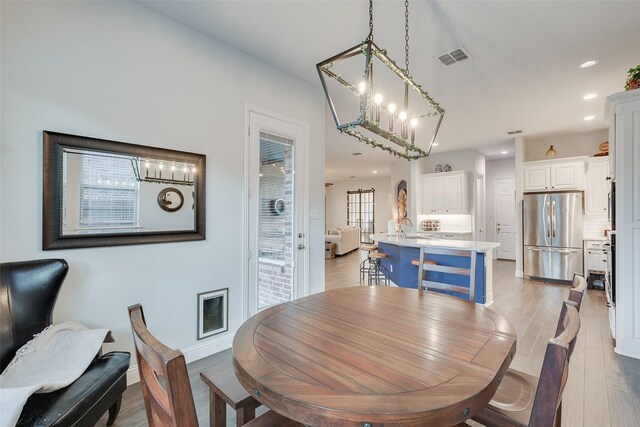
pixel 407 130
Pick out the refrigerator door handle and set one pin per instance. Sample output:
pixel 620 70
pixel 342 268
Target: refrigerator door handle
pixel 545 218
pixel 553 219
pixel 563 251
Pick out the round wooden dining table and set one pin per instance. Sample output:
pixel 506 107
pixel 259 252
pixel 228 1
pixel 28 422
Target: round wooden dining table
pixel 374 356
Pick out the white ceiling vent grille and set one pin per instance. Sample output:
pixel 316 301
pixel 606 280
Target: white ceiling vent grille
pixel 455 56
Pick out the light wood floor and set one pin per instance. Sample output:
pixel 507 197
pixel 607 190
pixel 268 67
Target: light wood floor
pixel 603 387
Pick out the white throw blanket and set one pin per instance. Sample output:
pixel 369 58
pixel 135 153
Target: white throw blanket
pixel 52 360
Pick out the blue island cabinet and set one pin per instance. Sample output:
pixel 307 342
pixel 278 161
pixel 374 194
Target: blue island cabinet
pixel 404 274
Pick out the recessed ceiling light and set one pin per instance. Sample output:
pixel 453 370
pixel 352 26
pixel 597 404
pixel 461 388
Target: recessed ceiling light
pixel 435 144
pixel 589 63
pixel 589 118
pixel 356 154
pixel 374 171
pixel 589 96
pixel 504 152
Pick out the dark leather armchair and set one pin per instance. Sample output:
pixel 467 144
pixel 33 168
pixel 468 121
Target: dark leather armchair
pixel 28 292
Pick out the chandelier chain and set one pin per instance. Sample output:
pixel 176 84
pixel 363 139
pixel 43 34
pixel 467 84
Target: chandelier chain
pixel 406 36
pixel 370 36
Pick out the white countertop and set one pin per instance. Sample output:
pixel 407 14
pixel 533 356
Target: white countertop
pixel 415 240
pixel 445 232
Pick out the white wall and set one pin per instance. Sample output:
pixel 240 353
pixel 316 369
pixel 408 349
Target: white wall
pixel 337 201
pixel 459 160
pixel 577 144
pixel 502 168
pixel 118 71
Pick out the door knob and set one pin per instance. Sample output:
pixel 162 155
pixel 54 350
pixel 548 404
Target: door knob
pixel 300 246
pixel 300 235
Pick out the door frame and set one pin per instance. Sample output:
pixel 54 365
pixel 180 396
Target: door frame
pixel 475 225
pixel 301 289
pixel 495 215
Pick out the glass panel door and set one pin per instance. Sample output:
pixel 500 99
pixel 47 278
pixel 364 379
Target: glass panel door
pixel 360 212
pixel 275 220
pixel 276 247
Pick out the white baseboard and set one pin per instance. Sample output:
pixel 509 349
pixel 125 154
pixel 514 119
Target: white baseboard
pixel 519 274
pixel 191 354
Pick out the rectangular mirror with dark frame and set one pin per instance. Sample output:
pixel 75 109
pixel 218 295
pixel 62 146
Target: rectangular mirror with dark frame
pixel 105 193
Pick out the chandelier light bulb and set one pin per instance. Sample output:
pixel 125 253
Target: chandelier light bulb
pixel 362 87
pixel 193 171
pixel 413 122
pixel 391 108
pixel 146 165
pixel 173 168
pixel 185 170
pixel 402 116
pixel 160 166
pixel 377 99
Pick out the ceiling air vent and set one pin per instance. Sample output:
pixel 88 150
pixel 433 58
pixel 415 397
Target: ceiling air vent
pixel 514 132
pixel 456 55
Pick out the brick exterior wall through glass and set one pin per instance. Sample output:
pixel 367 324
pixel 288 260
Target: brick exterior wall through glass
pixel 275 225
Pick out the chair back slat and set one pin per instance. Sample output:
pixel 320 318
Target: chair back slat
pixel 163 376
pixel 431 285
pixel 555 371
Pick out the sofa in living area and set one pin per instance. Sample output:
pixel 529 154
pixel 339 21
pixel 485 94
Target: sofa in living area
pixel 346 238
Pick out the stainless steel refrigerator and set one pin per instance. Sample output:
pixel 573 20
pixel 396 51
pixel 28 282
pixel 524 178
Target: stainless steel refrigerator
pixel 553 235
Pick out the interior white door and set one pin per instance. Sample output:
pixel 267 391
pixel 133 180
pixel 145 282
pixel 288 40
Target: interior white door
pixel 505 209
pixel 277 239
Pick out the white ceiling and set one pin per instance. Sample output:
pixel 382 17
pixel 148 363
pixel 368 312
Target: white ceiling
pixel 523 72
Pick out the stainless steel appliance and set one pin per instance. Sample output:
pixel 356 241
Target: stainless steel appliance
pixel 553 235
pixel 610 278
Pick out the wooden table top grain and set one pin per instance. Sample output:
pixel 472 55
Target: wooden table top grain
pixel 379 355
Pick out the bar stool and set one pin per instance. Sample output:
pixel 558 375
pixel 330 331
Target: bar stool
pixel 366 264
pixel 377 272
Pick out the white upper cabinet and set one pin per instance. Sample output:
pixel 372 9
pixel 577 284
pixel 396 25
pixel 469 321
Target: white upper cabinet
pixel 554 175
pixel 567 176
pixel 445 193
pixel 597 187
pixel 536 178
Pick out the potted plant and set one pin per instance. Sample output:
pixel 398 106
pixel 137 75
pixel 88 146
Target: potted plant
pixel 633 82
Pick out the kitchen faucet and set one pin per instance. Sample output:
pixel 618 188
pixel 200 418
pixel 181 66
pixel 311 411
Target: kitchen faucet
pixel 402 232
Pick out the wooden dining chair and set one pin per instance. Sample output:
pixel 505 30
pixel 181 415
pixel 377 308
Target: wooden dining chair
pixel 431 285
pixel 524 400
pixel 163 376
pixel 165 382
pixel 576 294
pixel 578 289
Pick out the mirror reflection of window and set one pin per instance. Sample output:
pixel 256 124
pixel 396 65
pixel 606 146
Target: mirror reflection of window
pixel 101 193
pixel 108 193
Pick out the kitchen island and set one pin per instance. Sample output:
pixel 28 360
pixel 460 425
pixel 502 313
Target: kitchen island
pixel 401 250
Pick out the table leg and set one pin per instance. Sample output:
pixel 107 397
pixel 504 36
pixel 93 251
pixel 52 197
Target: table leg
pixel 246 414
pixel 217 410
